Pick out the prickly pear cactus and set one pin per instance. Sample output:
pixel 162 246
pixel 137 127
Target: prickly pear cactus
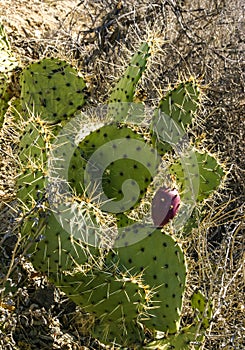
pixel 187 339
pixel 116 300
pixel 55 250
pixel 130 274
pixel 33 151
pixel 182 102
pixel 190 337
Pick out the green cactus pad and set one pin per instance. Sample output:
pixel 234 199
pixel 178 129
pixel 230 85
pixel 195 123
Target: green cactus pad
pixel 53 89
pixel 188 338
pixel 202 307
pixel 56 250
pixel 124 91
pixel 33 147
pixel 175 112
pixel 110 158
pixel 123 220
pixel 115 300
pixel 192 223
pixel 209 175
pixel 160 260
pixel 130 334
pixel 182 102
pixel 7 59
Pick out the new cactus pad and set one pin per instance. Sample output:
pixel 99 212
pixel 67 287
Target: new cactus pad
pixel 124 91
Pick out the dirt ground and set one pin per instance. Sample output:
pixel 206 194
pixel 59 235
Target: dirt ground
pixel 202 38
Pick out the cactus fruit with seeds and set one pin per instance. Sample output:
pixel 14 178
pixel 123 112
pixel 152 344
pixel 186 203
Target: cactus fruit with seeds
pixel 129 274
pixel 165 205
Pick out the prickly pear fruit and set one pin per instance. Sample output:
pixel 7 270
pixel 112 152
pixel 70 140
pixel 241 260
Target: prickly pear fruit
pixel 165 205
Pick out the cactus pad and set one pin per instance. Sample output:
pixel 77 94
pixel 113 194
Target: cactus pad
pixel 161 261
pixel 181 103
pixel 56 250
pixel 33 147
pixel 209 174
pixel 175 112
pixel 187 339
pixel 115 300
pixel 125 88
pixel 202 307
pixel 116 161
pixel 53 88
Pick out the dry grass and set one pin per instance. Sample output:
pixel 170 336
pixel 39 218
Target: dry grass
pixel 202 38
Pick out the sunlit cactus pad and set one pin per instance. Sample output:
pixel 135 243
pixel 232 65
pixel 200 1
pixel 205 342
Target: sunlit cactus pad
pixel 208 173
pixel 53 89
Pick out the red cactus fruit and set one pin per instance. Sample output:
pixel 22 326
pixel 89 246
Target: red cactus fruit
pixel 165 205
